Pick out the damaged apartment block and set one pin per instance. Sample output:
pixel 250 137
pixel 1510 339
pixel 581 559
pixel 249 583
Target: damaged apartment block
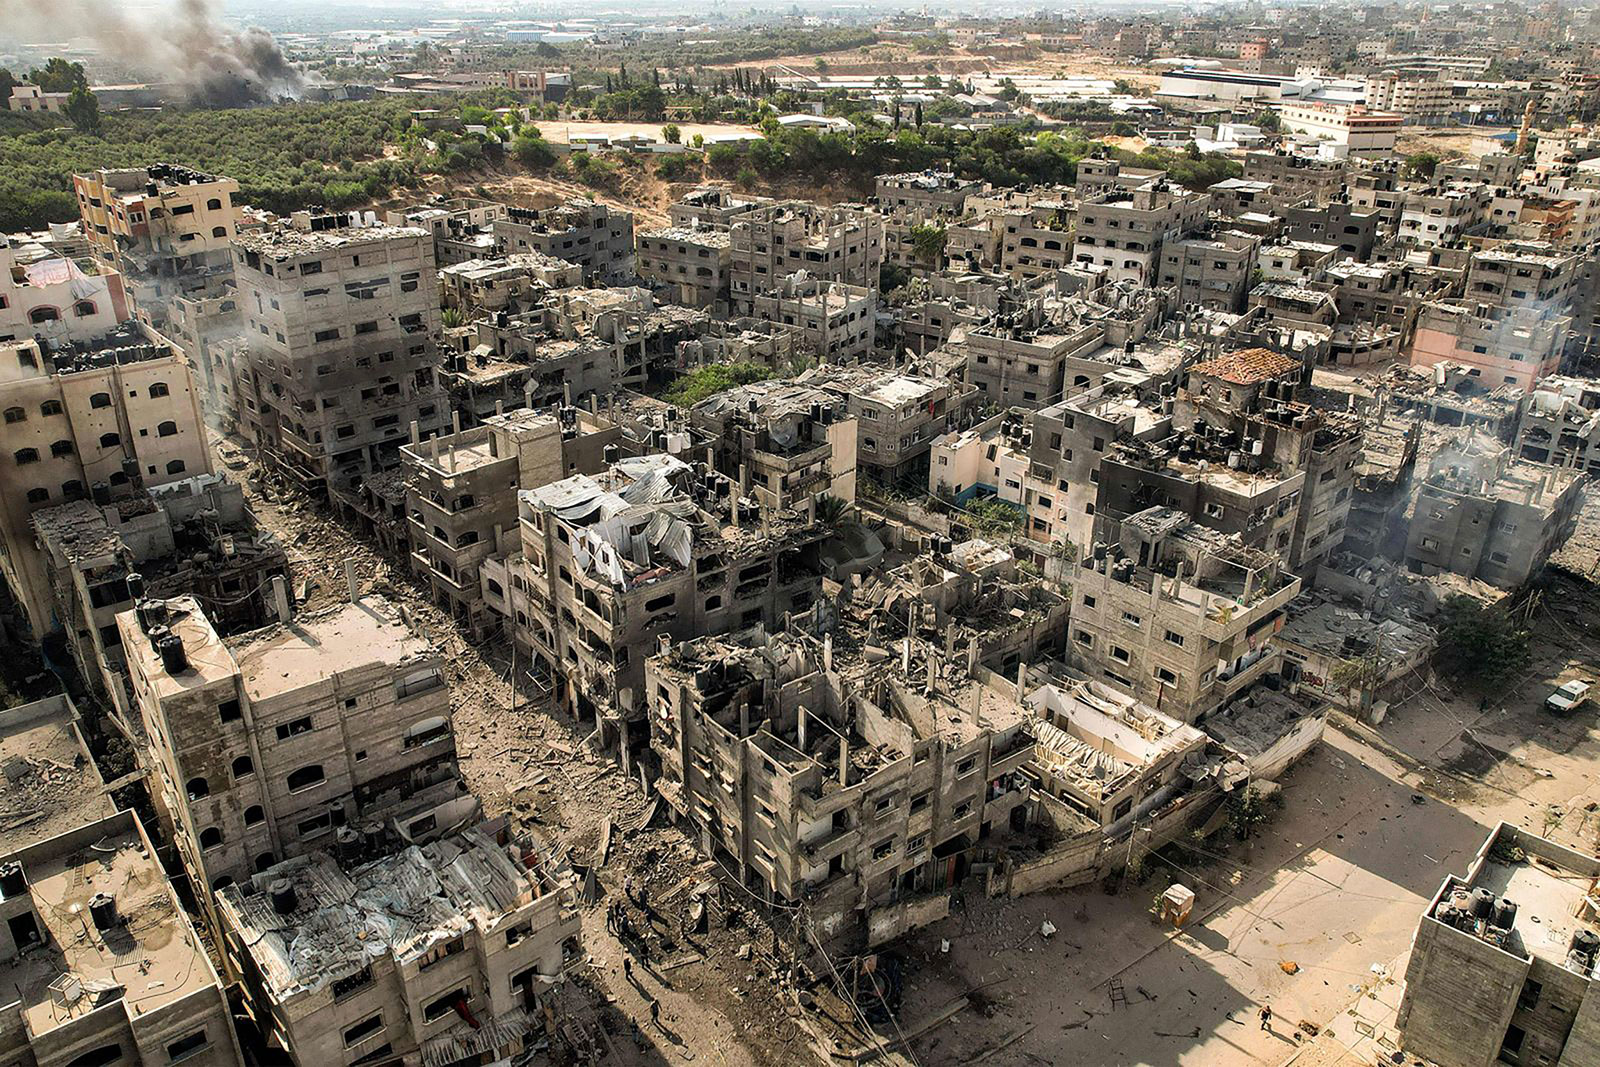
pixel 330 732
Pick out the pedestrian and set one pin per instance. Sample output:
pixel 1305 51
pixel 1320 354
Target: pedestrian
pixel 1266 1017
pixel 655 1012
pixel 627 967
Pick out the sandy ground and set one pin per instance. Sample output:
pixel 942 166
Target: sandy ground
pixel 1374 820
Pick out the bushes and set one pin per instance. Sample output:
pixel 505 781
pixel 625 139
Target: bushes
pixel 710 380
pixel 1480 644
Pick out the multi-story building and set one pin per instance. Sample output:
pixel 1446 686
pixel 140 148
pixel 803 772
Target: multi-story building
pixel 1124 230
pixel 332 730
pixel 585 232
pixel 208 328
pixel 58 299
pixel 711 207
pixel 1363 134
pixel 461 496
pixel 897 419
pixel 1295 177
pixel 1175 613
pixel 928 192
pixel 1214 270
pixel 691 265
pixel 462 227
pixel 1028 357
pixel 1484 514
pixel 1502 965
pixel 328 975
pixel 769 243
pixel 1350 229
pixel 852 801
pixel 836 321
pixel 341 321
pixel 513 284
pixel 650 548
pixel 1441 215
pixel 194 537
pixel 99 421
pixel 1557 424
pixel 166 228
pixel 1524 275
pixel 789 443
pixel 1515 346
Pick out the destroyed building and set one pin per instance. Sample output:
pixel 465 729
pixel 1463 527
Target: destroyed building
pixel 786 443
pixel 1483 514
pixel 462 227
pixel 514 283
pixel 839 244
pixel 328 731
pixel 442 952
pixel 1558 423
pixel 1502 964
pixel 97 421
pixel 689 265
pixel 1177 614
pixel 341 359
pixel 97 955
pixel 597 238
pixel 461 496
pixel 191 538
pixel 651 548
pixel 836 322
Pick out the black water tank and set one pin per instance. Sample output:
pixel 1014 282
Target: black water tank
pixel 1505 913
pixel 13 883
pixel 103 910
pixel 135 585
pixel 1482 903
pixel 283 896
pixel 100 492
pixel 173 658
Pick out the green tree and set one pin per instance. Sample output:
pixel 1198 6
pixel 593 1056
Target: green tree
pixel 1478 643
pixel 83 109
pixel 531 149
pixel 8 82
pixel 1421 165
pixel 671 134
pixel 59 76
pixel 715 378
pixel 927 244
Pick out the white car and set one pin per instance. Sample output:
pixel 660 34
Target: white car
pixel 1569 696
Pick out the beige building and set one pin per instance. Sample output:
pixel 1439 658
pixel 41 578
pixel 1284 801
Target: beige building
pixel 97 423
pixel 513 284
pixel 166 228
pixel 31 98
pixel 1124 230
pixel 341 322
pixel 436 954
pixel 81 891
pixel 786 443
pixel 597 238
pixel 836 244
pixel 329 732
pixel 691 266
pixel 58 299
pixel 836 321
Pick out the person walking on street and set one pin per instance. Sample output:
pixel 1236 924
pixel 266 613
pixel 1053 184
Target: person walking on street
pixel 1266 1017
pixel 655 1013
pixel 627 967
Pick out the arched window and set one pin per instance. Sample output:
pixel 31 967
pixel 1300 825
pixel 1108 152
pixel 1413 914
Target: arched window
pixel 100 400
pixel 110 440
pixel 175 466
pixel 103 1056
pixel 167 429
pixel 43 315
pixel 118 478
pixel 470 537
pixel 16 415
pixel 265 860
pixel 253 814
pixel 219 231
pixel 62 447
pixel 50 407
pixel 197 788
pixel 305 777
pixel 159 389
pixel 214 204
pixel 38 496
pixel 243 766
pixel 496 588
pixel 84 308
pixel 26 455
pixel 72 490
pixel 223 882
pixel 211 837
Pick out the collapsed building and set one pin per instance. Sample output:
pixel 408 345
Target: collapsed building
pixel 596 237
pixel 442 952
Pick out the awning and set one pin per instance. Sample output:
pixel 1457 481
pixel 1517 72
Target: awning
pixel 461 1042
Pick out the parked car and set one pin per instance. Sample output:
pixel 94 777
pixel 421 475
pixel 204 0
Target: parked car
pixel 1569 696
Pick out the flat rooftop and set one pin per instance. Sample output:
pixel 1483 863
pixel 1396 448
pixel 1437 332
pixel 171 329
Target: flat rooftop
pixel 51 784
pixel 150 959
pixel 288 242
pixel 285 657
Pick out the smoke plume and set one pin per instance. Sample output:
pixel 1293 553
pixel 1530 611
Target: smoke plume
pixel 181 42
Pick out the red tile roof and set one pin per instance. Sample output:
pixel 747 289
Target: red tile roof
pixel 1249 366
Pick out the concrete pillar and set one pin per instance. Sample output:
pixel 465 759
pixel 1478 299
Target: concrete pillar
pixel 844 760
pixel 827 652
pixel 744 718
pixel 499 407
pixel 566 394
pixel 933 672
pixel 415 437
pixel 622 748
pixel 527 394
pixel 280 597
pixel 433 449
pixel 1022 679
pixel 803 725
pixel 350 580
